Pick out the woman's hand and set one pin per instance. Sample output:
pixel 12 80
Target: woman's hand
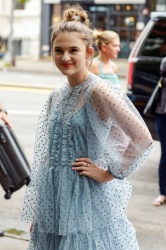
pixel 31 228
pixel 4 117
pixel 85 167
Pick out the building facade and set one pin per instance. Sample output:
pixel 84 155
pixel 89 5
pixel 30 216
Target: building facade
pixel 31 26
pixel 126 17
pixel 25 25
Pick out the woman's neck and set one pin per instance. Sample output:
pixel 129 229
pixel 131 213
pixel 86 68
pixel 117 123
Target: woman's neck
pixel 75 80
pixel 104 59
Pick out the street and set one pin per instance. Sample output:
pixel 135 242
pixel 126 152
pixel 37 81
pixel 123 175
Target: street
pixel 24 105
pixel 31 79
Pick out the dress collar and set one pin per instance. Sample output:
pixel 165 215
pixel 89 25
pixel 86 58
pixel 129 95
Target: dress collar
pixel 84 83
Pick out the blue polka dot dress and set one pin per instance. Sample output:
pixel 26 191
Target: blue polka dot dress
pixel 95 119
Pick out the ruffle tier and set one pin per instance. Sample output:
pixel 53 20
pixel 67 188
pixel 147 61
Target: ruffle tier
pixel 120 235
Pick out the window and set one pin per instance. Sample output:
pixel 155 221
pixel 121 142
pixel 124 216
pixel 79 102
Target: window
pixel 155 45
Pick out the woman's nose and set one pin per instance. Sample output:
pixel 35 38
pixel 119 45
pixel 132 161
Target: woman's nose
pixel 65 57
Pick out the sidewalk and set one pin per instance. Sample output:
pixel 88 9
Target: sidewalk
pixel 9 243
pixel 46 66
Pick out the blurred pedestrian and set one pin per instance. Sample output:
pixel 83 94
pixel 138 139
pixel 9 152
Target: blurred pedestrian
pixel 89 139
pixel 161 131
pixel 2 49
pixel 108 44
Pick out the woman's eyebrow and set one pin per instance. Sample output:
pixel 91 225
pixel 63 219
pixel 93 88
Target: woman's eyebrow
pixel 72 47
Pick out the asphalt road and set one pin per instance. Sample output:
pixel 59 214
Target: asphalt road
pixel 37 80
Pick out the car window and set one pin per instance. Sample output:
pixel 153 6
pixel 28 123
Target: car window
pixel 155 44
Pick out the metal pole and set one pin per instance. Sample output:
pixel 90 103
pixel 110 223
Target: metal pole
pixel 10 39
pixel 9 58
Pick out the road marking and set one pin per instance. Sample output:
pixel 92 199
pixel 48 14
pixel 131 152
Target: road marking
pixel 27 89
pixel 23 112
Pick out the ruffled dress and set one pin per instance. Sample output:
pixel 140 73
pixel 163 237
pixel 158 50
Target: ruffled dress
pixel 73 212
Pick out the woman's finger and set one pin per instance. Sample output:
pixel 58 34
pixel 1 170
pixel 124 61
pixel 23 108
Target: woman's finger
pixel 83 159
pixel 85 173
pixel 80 164
pixel 82 168
pixel 31 227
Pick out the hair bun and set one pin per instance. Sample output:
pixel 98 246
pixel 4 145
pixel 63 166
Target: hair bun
pixel 97 34
pixel 77 15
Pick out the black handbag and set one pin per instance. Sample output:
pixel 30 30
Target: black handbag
pixel 151 105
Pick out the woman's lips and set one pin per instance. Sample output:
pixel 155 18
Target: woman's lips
pixel 66 65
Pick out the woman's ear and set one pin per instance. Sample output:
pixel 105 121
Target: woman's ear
pixel 89 53
pixel 103 47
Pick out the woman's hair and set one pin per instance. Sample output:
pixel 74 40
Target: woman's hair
pixel 74 20
pixel 104 37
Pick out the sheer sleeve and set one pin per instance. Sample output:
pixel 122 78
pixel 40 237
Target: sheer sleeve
pixel 124 138
pixel 40 161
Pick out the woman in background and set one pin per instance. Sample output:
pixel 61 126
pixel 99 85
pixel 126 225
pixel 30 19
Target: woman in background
pixel 108 44
pixel 161 131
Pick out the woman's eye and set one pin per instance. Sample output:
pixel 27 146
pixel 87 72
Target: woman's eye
pixel 74 50
pixel 58 51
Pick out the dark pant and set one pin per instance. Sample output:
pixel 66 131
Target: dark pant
pixel 161 131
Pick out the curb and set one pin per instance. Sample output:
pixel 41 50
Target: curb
pixel 16 237
pixel 24 234
pixel 31 70
pixel 27 86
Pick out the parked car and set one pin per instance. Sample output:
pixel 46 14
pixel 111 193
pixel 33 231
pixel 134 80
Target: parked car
pixel 144 64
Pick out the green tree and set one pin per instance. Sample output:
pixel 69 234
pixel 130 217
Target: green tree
pixel 23 1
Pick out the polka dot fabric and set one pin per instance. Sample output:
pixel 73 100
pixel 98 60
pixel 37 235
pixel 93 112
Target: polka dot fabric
pixel 71 212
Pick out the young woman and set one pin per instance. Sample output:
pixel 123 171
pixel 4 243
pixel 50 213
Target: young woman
pixel 89 139
pixel 108 44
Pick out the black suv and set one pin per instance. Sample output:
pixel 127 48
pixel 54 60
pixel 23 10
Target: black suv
pixel 144 64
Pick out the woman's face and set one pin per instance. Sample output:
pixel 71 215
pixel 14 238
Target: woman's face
pixel 70 53
pixel 112 48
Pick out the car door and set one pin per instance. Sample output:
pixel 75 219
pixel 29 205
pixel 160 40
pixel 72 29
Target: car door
pixel 144 65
